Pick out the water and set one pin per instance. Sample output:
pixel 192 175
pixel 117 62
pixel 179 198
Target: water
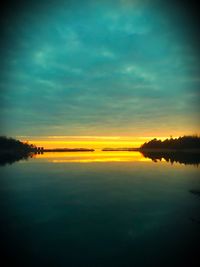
pixel 99 209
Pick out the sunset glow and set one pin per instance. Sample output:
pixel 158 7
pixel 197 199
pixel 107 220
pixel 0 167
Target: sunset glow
pixel 95 142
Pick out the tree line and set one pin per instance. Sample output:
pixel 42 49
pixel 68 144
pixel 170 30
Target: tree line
pixel 7 143
pixel 185 142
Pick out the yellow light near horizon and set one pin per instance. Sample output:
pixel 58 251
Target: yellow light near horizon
pixel 86 144
pixel 95 142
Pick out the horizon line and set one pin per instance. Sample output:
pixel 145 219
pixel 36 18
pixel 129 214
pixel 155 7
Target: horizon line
pixel 92 137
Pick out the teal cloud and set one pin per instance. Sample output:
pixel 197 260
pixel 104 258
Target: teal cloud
pixel 99 67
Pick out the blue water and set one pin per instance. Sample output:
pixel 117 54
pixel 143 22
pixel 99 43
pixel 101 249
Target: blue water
pixel 99 214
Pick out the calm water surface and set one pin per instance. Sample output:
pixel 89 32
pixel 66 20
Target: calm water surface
pixel 99 209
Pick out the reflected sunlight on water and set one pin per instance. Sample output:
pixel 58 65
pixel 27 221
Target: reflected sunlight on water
pixel 96 156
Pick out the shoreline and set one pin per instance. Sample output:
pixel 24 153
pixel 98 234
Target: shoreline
pixel 68 150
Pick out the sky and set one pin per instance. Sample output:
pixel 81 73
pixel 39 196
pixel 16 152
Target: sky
pixel 99 68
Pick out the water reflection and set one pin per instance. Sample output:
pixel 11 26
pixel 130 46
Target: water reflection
pixel 187 158
pixel 121 213
pixel 106 156
pixel 88 157
pixel 10 158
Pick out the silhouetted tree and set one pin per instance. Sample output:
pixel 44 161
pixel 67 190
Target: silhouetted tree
pixel 185 142
pixel 12 150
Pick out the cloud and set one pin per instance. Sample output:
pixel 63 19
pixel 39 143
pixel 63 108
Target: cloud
pixel 69 70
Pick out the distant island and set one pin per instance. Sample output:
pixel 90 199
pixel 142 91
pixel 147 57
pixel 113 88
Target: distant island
pixel 68 150
pixel 120 149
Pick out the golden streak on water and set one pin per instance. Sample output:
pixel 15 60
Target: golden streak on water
pixel 97 156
